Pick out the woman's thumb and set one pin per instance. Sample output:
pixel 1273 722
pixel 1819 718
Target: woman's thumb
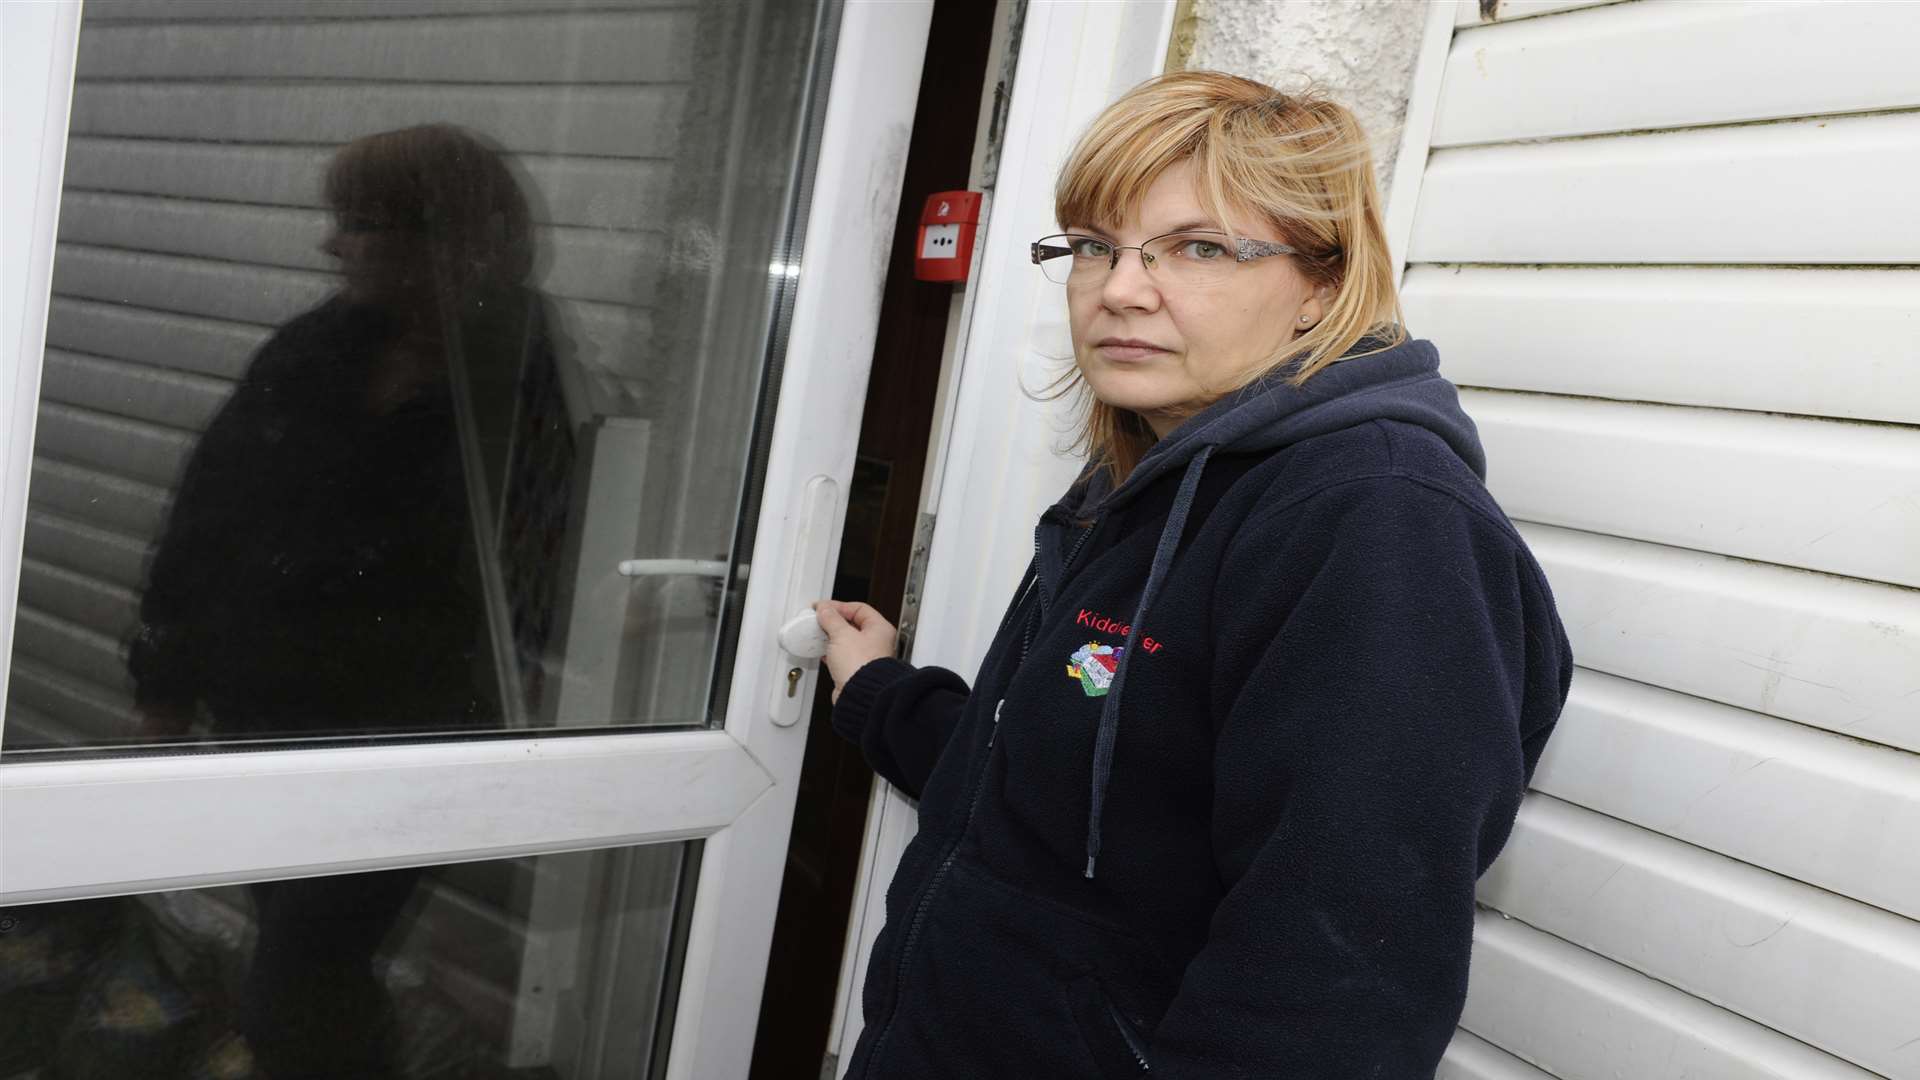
pixel 829 615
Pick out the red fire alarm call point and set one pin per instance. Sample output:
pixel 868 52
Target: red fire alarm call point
pixel 947 224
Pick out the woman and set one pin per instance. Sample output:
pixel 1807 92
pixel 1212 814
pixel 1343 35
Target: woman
pixel 1265 704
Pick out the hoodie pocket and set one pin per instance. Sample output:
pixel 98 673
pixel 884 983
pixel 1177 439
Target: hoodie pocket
pixel 1117 1044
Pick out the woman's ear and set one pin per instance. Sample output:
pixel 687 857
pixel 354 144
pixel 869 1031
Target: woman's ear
pixel 1313 308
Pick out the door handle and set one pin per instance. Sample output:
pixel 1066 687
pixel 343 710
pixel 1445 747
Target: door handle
pixel 800 649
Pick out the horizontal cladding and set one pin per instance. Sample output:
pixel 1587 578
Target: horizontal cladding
pixel 1832 972
pixel 643 46
pixel 1811 805
pixel 1819 342
pixel 168 340
pixel 1667 64
pixel 1837 497
pixel 1700 408
pixel 627 122
pixel 1476 12
pixel 1579 1015
pixel 86 712
pixel 586 264
pixel 76 650
pixel 109 556
pixel 1470 1057
pixel 135 391
pixel 1711 195
pixel 1831 652
pixel 608 193
pixel 101 11
pixel 80 598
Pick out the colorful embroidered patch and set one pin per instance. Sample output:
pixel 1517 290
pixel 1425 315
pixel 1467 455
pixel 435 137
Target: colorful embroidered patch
pixel 1094 664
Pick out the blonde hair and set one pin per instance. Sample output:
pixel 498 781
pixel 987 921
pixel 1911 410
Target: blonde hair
pixel 1299 161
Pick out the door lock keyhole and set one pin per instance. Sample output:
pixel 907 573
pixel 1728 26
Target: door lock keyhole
pixel 793 681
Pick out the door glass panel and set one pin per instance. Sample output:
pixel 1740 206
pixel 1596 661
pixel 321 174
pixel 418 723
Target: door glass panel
pixel 543 968
pixel 405 366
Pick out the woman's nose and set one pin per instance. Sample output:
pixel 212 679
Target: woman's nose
pixel 1129 284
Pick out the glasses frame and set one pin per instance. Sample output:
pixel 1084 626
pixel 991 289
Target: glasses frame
pixel 1244 250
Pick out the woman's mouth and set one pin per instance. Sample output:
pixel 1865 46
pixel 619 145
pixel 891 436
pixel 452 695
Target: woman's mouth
pixel 1127 349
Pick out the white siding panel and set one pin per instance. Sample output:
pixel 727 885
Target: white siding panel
pixel 127 448
pixel 87 713
pixel 142 10
pixel 138 391
pixel 588 264
pixel 79 598
pixel 265 296
pixel 1718 195
pixel 1821 342
pixel 1662 64
pixel 73 649
pixel 1470 1057
pixel 599 121
pixel 99 499
pixel 111 557
pixel 1583 1017
pixel 1824 969
pixel 1817 807
pixel 232 232
pixel 1476 12
pixel 602 192
pixel 1825 495
pixel 615 47
pixel 268 175
pixel 213 347
pixel 1834 653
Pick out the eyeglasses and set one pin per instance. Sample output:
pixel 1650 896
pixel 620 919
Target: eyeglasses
pixel 1192 258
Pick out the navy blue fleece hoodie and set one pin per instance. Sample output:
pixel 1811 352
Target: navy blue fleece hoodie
pixel 1216 801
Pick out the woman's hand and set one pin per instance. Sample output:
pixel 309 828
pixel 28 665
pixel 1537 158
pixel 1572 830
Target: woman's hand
pixel 856 634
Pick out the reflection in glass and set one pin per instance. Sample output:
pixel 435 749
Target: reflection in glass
pixel 329 559
pixel 550 968
pixel 382 334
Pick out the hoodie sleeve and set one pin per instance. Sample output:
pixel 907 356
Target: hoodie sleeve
pixel 1381 648
pixel 901 718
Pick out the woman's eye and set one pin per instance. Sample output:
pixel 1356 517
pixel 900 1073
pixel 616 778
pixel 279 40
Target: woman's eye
pixel 1202 250
pixel 1091 249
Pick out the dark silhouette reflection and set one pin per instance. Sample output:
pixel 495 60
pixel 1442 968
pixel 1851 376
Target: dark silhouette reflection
pixel 341 556
pixel 363 542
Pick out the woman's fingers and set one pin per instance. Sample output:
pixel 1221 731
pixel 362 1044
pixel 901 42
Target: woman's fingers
pixel 831 620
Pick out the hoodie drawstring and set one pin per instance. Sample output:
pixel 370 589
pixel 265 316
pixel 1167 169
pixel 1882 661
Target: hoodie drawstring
pixel 1110 710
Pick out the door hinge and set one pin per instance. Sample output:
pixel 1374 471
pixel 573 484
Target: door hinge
pixel 916 579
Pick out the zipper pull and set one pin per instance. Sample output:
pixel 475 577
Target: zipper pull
pixel 995 732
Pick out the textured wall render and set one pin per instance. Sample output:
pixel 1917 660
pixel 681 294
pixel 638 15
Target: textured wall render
pixel 1362 51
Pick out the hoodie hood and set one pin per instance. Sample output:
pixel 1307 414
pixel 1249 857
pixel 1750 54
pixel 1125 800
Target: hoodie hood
pixel 1402 383
pixel 1399 383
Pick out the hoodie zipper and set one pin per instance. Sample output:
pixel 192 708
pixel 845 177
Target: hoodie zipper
pixel 927 891
pixel 1026 640
pixel 1126 1033
pixel 925 899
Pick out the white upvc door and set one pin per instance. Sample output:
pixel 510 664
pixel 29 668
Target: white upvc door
pixel 109 820
pixel 996 460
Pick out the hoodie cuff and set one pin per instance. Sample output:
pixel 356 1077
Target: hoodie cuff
pixel 857 697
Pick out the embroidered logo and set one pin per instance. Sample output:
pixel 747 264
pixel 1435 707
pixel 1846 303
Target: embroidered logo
pixel 1094 664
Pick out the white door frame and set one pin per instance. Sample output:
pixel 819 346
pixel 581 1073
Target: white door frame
pixel 113 824
pixel 996 462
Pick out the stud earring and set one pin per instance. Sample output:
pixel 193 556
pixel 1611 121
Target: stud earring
pixel 1306 318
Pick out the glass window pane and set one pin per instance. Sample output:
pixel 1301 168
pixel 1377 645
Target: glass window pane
pixel 383 336
pixel 556 967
